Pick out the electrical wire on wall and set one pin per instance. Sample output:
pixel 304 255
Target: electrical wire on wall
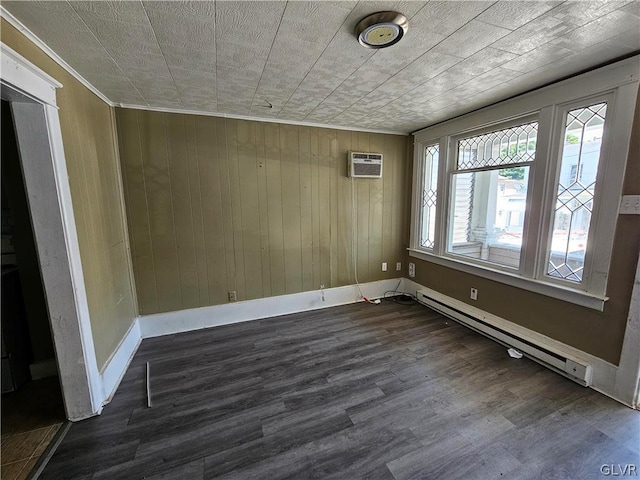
pixel 354 244
pixel 401 298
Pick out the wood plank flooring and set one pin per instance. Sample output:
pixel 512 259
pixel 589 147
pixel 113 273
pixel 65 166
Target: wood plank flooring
pixel 358 391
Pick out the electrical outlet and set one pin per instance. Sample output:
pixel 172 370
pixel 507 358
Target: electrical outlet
pixel 474 294
pixel 398 266
pixel 412 270
pixel 384 266
pixel 232 296
pixel 630 205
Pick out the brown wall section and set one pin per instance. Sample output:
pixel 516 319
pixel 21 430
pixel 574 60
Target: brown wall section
pixel 598 333
pixel 92 163
pixel 216 205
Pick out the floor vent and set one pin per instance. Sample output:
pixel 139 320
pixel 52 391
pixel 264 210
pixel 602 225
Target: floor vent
pixel 573 368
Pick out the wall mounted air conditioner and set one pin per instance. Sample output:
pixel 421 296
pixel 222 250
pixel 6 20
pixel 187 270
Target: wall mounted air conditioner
pixel 365 165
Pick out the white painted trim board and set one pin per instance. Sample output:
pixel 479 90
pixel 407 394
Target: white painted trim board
pixel 159 324
pixel 252 118
pixel 26 77
pixel 118 364
pixel 39 139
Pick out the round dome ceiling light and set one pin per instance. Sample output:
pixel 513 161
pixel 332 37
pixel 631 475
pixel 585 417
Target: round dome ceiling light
pixel 382 29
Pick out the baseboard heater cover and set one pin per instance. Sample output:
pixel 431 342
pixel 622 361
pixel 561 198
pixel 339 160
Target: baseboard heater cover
pixel 575 369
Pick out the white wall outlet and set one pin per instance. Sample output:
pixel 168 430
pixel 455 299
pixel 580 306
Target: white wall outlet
pixel 630 205
pixel 474 294
pixel 232 296
pixel 412 270
pixel 398 266
pixel 384 266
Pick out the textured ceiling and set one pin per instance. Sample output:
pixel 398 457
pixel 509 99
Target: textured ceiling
pixel 302 58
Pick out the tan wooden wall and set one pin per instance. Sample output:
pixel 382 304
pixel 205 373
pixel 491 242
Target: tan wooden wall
pixel 88 134
pixel 217 205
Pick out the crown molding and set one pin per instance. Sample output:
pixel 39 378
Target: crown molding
pixel 8 16
pixel 260 119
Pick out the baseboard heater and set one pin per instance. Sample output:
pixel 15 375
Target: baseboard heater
pixel 575 369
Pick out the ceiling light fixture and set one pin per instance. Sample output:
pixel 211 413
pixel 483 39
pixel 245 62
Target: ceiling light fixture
pixel 382 29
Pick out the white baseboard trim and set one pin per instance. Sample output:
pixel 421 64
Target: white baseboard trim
pixel 606 376
pixel 168 323
pixel 118 363
pixel 616 382
pixel 44 369
pixel 197 318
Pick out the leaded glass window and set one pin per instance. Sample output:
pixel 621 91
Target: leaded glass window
pixel 489 195
pixel 429 196
pixel 583 133
pixel 502 147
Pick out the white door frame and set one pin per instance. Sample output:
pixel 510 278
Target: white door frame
pixel 32 94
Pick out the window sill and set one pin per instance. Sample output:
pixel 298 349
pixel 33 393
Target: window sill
pixel 565 294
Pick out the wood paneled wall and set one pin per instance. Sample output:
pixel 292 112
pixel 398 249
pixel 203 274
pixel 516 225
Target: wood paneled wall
pixel 88 134
pixel 217 205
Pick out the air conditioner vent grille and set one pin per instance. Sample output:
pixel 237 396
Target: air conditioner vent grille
pixel 365 165
pixel 368 169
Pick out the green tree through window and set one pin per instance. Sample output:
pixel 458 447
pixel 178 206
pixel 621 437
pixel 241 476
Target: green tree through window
pixel 515 173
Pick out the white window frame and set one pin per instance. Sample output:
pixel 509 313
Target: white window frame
pixel 421 186
pixel 601 227
pixel 617 84
pixel 451 170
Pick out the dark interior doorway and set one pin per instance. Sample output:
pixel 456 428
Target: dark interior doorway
pixel 32 402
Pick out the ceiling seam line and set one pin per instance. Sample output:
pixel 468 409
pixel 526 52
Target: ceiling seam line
pixel 146 14
pixel 427 81
pixel 317 59
pixel 488 46
pixel 549 41
pixel 342 83
pixel 107 52
pixel 411 63
pixel 264 67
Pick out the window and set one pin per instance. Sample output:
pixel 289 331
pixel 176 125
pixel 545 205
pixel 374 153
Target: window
pixel 488 195
pixel 515 192
pixel 429 196
pixel 574 200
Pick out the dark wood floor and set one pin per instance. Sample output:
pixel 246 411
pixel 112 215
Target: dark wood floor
pixel 360 391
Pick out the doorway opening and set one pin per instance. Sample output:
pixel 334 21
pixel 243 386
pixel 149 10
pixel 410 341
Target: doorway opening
pixel 31 94
pixel 32 401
